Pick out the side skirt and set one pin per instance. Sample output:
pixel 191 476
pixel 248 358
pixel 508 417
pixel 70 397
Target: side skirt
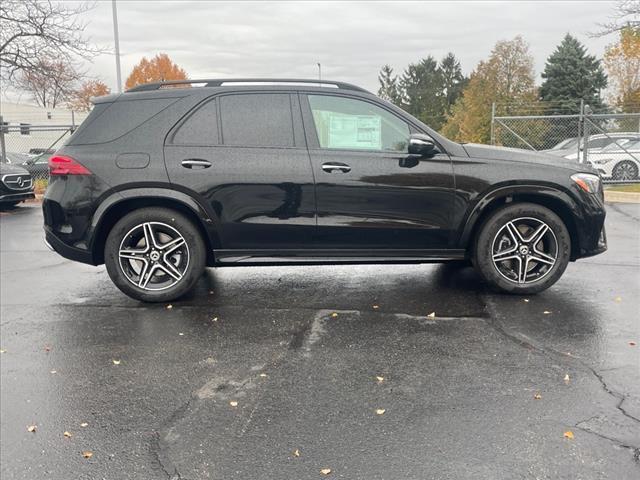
pixel 333 256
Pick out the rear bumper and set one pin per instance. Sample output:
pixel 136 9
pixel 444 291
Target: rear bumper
pixel 72 253
pixel 16 197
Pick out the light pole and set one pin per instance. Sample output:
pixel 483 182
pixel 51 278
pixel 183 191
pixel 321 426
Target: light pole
pixel 319 73
pixel 116 39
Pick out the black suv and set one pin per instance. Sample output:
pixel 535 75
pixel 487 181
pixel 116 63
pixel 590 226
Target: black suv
pixel 167 178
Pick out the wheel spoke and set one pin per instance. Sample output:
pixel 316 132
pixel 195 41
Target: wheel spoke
pixel 505 255
pixel 538 234
pixel 146 274
pixel 170 269
pixel 516 236
pixel 132 254
pixel 522 270
pixel 538 256
pixel 149 239
pixel 172 245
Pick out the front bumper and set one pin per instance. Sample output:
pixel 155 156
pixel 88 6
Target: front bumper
pixel 16 197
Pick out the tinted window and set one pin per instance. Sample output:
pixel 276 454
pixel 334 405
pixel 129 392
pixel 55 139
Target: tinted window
pixel 200 128
pixel 346 123
pixel 257 120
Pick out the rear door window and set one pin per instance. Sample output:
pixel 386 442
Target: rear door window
pixel 200 128
pixel 257 120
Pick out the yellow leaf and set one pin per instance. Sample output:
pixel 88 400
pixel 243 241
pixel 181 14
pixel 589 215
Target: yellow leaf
pixel 375 307
pixel 53 372
pixel 233 403
pixel 618 299
pixel 67 434
pixel 263 375
pixel 296 453
pixel 380 379
pixel 169 307
pixel 2 350
pixel 325 471
pixel 569 435
pixel 566 379
pixel 32 428
pixel 526 300
pixel 537 396
pixel 215 319
pixel 334 315
pixel 380 411
pixel 181 334
pixel 546 312
pixel 84 424
pixel 432 315
pixel 87 454
pixel 116 362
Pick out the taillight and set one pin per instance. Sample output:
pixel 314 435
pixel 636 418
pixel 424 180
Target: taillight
pixel 61 165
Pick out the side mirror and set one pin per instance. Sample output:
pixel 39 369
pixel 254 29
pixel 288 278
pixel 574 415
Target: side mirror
pixel 420 144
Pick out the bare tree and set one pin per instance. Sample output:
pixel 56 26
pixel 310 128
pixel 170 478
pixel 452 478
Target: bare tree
pixel 34 30
pixel 626 14
pixel 50 83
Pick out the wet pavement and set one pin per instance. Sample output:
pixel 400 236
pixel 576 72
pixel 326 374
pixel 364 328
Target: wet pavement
pixel 300 350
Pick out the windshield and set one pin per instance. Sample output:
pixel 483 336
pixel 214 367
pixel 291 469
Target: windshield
pixel 563 144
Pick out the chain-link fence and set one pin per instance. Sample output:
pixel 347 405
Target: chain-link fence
pixel 30 146
pixel 610 142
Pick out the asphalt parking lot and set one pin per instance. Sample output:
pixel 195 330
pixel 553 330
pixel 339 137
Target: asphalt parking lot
pixel 268 373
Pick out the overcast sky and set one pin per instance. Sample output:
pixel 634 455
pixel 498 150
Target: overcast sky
pixel 351 40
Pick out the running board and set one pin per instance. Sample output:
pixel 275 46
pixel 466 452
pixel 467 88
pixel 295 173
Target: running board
pixel 333 256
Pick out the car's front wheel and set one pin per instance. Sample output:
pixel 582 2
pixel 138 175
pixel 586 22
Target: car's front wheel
pixel 625 170
pixel 155 254
pixel 522 248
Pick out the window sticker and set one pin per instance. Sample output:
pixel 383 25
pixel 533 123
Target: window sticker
pixel 354 131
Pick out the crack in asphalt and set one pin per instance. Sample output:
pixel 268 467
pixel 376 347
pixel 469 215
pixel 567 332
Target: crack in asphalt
pixel 524 341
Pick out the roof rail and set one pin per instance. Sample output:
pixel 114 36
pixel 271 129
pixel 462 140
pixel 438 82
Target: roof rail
pixel 219 82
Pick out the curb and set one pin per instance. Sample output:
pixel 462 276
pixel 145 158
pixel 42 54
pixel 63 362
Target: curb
pixel 621 197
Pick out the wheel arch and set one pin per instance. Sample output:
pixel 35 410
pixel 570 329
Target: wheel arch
pixel 552 198
pixel 121 203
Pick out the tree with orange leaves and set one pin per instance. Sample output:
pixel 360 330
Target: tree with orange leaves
pixel 160 68
pixel 622 60
pixel 81 99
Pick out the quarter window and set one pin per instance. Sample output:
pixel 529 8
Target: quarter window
pixel 346 123
pixel 257 120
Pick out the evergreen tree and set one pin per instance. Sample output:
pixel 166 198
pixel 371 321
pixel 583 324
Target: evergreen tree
pixel 571 75
pixel 422 88
pixel 389 88
pixel 453 82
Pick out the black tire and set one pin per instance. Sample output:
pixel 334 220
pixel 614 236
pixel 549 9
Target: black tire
pixel 625 170
pixel 165 284
pixel 497 238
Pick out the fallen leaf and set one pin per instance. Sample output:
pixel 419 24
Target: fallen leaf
pixel 568 434
pixel 210 292
pixel 53 372
pixel 169 307
pixel 67 434
pixel 526 300
pixel 432 315
pixel 215 319
pixel 47 348
pixel 632 343
pixel 263 375
pixel 2 350
pixel 32 428
pixel 325 471
pixel 233 403
pixel 181 334
pixel 116 362
pixel 87 454
pixel 618 299
pixel 546 312
pixel 334 315
pixel 380 379
pixel 84 424
pixel 380 411
pixel 537 396
pixel 566 379
pixel 296 453
pixel 375 307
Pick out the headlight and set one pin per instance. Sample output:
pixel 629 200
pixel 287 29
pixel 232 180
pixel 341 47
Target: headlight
pixel 587 182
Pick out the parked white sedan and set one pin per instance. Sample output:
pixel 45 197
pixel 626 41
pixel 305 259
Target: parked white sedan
pixel 619 161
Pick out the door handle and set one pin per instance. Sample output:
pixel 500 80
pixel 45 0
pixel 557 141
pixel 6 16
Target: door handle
pixel 331 167
pixel 195 162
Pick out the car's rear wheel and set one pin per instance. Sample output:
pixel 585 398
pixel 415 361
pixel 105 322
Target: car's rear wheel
pixel 522 248
pixel 155 254
pixel 625 170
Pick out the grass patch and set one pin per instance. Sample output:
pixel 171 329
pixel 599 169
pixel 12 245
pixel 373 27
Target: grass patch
pixel 626 187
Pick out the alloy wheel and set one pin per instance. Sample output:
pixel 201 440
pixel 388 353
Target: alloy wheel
pixel 524 250
pixel 153 256
pixel 625 171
